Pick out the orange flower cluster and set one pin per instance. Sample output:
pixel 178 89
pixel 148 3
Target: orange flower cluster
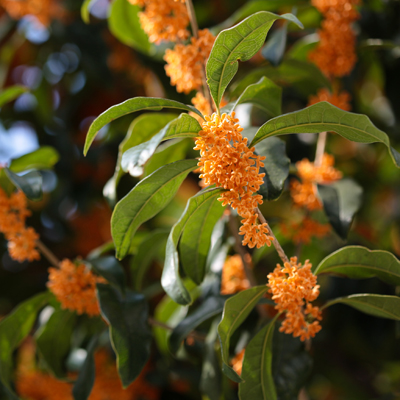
pixel 304 193
pixel 21 240
pixel 43 10
pixel 227 162
pixel 163 19
pixel 293 287
pixel 233 276
pixel 340 100
pixel 304 231
pixel 75 287
pixel 185 63
pixel 335 55
pixel 237 362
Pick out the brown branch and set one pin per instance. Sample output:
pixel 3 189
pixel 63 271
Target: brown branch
pixel 192 17
pixel 47 253
pixel 319 154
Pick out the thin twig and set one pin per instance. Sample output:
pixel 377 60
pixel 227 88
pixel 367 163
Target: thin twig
pixel 192 17
pixel 319 154
pixel 275 242
pixel 48 253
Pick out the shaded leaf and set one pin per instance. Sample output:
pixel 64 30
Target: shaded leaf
pixel 43 158
pixel 11 93
pixel 358 262
pixel 129 332
pixel 324 117
pixel 301 49
pixel 128 107
pixel 257 367
pixel 30 183
pixel 236 310
pixel 240 42
pixel 275 47
pixel 341 200
pixel 110 269
pixel 145 200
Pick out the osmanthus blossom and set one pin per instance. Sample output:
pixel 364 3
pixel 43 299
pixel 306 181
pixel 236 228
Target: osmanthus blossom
pixel 233 277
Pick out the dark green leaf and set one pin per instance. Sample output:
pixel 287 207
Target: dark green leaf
pixel 275 47
pixel 358 262
pixel 11 93
pixel 373 304
pixel 43 158
pixel 128 107
pixel 53 346
pixel 13 330
pixel 129 332
pixel 30 183
pixel 341 200
pixel 236 310
pixel 240 42
pixel 209 308
pixel 257 367
pixel 110 269
pixel 324 117
pixel 276 167
pixel 171 280
pixel 145 200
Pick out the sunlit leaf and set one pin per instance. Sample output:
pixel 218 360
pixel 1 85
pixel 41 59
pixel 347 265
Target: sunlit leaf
pixel 11 93
pixel 43 158
pixel 85 11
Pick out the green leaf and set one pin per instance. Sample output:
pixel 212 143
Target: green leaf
pixel 145 200
pixel 171 280
pixel 301 49
pixel 324 117
pixel 124 24
pixel 275 47
pixel 358 262
pixel 276 167
pixel 110 269
pixel 84 384
pixel 341 200
pixel 128 107
pixel 264 94
pixel 240 42
pixel 13 330
pixel 85 11
pixel 257 367
pixel 30 183
pixel 209 308
pixel 236 310
pixel 373 304
pixel 53 346
pixel 136 157
pixel 43 158
pixel 11 93
pixel 129 332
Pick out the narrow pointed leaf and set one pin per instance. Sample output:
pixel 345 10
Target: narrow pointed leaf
pixel 11 93
pixel 85 11
pixel 43 158
pixel 128 107
pixel 236 310
pixel 257 377
pixel 145 200
pixel 30 183
pixel 358 262
pixel 275 47
pixel 324 117
pixel 240 42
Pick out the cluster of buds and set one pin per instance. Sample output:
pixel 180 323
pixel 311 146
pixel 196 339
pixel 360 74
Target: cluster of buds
pixel 233 278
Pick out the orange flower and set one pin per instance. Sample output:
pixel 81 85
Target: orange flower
pixel 340 100
pixel 233 276
pixel 304 231
pixel 185 63
pixel 293 288
pixel 74 286
pixel 227 162
pixel 22 246
pixel 237 362
pixel 164 20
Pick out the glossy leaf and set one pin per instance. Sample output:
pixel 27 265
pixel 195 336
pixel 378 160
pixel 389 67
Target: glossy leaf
pixel 373 304
pixel 357 262
pixel 13 330
pixel 257 367
pixel 11 93
pixel 53 346
pixel 240 42
pixel 324 117
pixel 128 107
pixel 43 158
pixel 275 47
pixel 129 332
pixel 110 269
pixel 30 183
pixel 276 167
pixel 171 280
pixel 136 157
pixel 236 310
pixel 145 200
pixel 341 200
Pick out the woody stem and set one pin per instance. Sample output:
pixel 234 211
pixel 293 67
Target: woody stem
pixel 275 242
pixel 48 253
pixel 320 149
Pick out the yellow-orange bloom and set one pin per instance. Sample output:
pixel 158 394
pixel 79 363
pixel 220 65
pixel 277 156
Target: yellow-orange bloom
pixel 22 245
pixel 74 286
pixel 237 362
pixel 227 162
pixel 304 231
pixel 185 63
pixel 340 100
pixel 293 288
pixel 233 278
